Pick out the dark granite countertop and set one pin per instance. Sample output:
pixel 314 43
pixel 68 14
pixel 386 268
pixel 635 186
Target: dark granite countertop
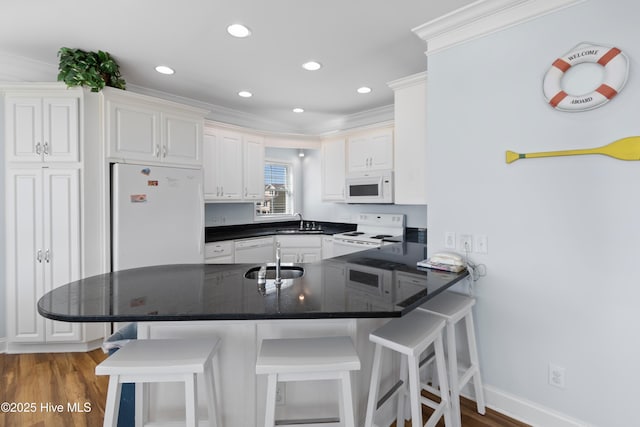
pixel 342 287
pixel 245 231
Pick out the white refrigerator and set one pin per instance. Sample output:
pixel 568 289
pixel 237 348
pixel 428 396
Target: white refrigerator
pixel 157 216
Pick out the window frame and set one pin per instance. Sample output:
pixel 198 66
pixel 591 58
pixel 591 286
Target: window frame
pixel 291 196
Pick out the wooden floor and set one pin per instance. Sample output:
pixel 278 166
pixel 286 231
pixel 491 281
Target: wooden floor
pixel 37 384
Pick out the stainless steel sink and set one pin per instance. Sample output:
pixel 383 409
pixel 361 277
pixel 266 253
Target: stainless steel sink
pixel 286 272
pixel 298 231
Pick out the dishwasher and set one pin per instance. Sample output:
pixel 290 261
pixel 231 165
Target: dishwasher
pixel 259 250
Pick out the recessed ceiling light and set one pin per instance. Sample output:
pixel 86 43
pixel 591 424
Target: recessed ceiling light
pixel 311 66
pixel 298 110
pixel 364 89
pixel 245 94
pixel 238 30
pixel 163 69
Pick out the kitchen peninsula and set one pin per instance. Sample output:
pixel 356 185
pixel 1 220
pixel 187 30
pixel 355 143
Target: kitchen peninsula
pixel 349 295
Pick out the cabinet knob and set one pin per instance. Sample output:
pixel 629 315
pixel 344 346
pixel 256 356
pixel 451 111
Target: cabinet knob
pixel 157 152
pixel 47 256
pixel 164 151
pixel 46 148
pixel 38 148
pixel 39 255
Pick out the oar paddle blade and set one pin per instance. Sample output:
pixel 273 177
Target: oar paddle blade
pixel 623 149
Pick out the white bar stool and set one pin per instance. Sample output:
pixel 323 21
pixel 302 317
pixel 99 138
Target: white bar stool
pixel 308 359
pixel 454 307
pixel 162 360
pixel 410 335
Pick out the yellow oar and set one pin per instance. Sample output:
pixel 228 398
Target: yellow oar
pixel 623 149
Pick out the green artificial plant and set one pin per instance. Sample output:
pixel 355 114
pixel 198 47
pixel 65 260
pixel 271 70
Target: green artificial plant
pixel 91 69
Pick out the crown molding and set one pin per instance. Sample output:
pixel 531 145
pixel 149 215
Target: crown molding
pixel 408 81
pixel 481 18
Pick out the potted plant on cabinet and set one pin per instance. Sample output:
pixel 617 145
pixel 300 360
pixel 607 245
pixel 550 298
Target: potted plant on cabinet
pixel 91 69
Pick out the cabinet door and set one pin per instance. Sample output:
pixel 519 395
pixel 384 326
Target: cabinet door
pixel 182 141
pixel 381 150
pixel 25 256
pixel 333 169
pixel 229 166
pixel 253 168
pixel 289 255
pixel 24 129
pixel 358 157
pixel 310 254
pixel 133 131
pixel 61 130
pixel 61 260
pixel 209 166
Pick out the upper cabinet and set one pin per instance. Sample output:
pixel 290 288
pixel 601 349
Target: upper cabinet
pixel 42 129
pixel 141 128
pixel 233 165
pixel 410 145
pixel 333 164
pixel 371 150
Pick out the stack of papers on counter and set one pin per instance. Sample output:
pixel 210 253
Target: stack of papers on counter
pixel 442 263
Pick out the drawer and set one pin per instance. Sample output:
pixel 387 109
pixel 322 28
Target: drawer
pixel 218 249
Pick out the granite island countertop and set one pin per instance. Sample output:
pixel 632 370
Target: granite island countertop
pixel 382 282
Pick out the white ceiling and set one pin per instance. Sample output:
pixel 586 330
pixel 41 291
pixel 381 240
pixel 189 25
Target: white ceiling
pixel 359 43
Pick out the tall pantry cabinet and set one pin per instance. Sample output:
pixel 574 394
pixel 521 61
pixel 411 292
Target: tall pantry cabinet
pixel 43 175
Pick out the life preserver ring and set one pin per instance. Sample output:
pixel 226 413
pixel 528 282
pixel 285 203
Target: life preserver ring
pixel 616 69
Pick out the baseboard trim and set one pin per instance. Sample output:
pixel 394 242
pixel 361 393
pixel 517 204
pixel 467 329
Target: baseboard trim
pixel 3 345
pixel 527 411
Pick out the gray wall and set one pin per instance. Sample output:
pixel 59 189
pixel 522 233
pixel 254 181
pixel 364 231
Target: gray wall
pixel 562 277
pixel 3 239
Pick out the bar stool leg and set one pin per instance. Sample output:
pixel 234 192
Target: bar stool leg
pixel 112 406
pixel 347 400
pixel 452 353
pixel 191 399
pixel 209 378
pixel 404 375
pixel 442 376
pixel 475 363
pixel 414 391
pixel 375 385
pixel 270 414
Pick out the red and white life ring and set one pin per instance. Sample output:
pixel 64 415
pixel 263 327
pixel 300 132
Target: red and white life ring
pixel 616 69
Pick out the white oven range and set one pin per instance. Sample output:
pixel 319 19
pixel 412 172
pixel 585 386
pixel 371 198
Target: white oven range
pixel 371 231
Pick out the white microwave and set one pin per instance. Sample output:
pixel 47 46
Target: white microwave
pixel 370 187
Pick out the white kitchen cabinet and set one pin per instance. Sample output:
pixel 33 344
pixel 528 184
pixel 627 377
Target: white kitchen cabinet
pixel 219 252
pixel 223 159
pixel 43 248
pixel 42 129
pixel 301 248
pixel 371 150
pixel 146 129
pixel 333 166
pixel 327 247
pixel 233 166
pixel 410 143
pixel 253 167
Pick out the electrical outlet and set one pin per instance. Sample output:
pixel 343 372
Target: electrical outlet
pixel 481 244
pixel 465 243
pixel 556 375
pixel 280 393
pixel 450 240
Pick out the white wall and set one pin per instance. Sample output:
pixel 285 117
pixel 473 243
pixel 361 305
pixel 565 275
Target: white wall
pixel 562 281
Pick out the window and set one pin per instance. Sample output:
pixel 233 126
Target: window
pixel 278 195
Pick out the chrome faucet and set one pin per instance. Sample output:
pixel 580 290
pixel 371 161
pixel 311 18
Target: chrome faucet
pixel 301 220
pixel 278 279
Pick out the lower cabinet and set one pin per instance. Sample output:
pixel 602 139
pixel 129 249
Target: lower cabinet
pixel 219 252
pixel 327 247
pixel 257 250
pixel 300 248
